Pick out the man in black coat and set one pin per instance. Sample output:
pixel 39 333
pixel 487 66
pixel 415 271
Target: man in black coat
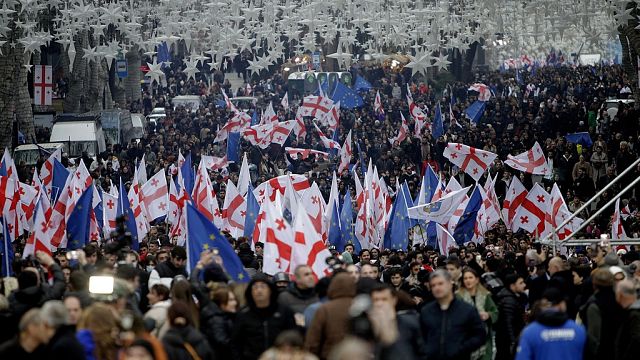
pixel 62 343
pixel 167 270
pixel 33 291
pixel 451 328
pixel 510 301
pixel 259 323
pixel 628 339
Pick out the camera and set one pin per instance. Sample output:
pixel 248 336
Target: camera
pixel 73 255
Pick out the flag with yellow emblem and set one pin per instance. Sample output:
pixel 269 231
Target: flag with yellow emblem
pixel 204 235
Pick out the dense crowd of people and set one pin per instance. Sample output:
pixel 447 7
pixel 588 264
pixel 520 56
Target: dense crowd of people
pixel 506 297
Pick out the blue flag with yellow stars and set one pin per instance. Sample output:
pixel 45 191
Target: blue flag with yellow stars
pixel 397 234
pixel 348 98
pixel 202 235
pixel 78 223
pixel 253 208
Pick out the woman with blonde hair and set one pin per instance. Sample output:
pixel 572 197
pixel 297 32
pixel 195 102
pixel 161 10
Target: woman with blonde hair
pixel 473 293
pixel 98 332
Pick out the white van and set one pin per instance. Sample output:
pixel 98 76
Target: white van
pixel 191 102
pixel 80 133
pixel 30 153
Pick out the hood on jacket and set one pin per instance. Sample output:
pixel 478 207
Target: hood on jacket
pixel 552 317
pixel 177 336
pixel 342 285
pixel 273 303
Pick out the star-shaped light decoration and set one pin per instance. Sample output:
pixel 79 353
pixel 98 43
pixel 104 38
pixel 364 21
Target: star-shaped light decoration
pixel 419 63
pixel 192 68
pixel 155 72
pixel 441 61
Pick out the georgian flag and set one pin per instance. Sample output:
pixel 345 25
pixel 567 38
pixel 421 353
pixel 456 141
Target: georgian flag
pixel 46 171
pixel 213 163
pixel 309 247
pixel 445 240
pixel 531 161
pixel 484 92
pixel 303 154
pixel 269 115
pixel 617 230
pixel 109 213
pixel 345 154
pixel 559 213
pixel 377 105
pixel 512 201
pixel 285 101
pixel 327 142
pixel 269 188
pixel 402 132
pixel 315 105
pixel 155 196
pixel 300 130
pixel 278 239
pixel 532 214
pixel 234 211
pixel 472 161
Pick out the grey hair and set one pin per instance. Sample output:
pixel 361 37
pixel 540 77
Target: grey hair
pixel 31 317
pixel 55 314
pixel 627 287
pixel 440 273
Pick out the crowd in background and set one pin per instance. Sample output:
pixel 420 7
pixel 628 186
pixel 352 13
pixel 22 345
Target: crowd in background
pixel 503 298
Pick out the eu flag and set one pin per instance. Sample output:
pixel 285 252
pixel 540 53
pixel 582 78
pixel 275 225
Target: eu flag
pixel 464 229
pixel 348 98
pixel 254 118
pixel 202 235
pixel 361 84
pixel 253 208
pixel 233 147
pixel 163 53
pixel 396 236
pixel 346 221
pixel 428 188
pixel 124 208
pixel 99 210
pixel 474 111
pixel 438 128
pixel 188 175
pixel 60 175
pixel 582 138
pixel 335 235
pixel 6 250
pixel 78 223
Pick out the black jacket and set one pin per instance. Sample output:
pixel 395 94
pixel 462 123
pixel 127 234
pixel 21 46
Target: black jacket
pixel 26 299
pixel 628 339
pixel 174 344
pixel 451 334
pixel 216 325
pixel 64 345
pixel 510 321
pixel 255 329
pixel 166 270
pixel 410 332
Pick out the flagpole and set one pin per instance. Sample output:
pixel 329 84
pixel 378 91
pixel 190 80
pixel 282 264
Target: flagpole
pixel 6 246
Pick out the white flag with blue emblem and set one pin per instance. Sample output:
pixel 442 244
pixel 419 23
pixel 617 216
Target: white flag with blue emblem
pixel 441 210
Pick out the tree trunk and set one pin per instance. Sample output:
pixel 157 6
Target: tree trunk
pixel 132 81
pixel 15 101
pixel 76 78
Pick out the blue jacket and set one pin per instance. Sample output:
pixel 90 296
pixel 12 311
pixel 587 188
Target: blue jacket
pixel 552 337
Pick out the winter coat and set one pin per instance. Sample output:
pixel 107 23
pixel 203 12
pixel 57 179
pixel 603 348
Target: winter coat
pixel 452 334
pixel 26 299
pixel 330 325
pixel 510 323
pixel 482 302
pixel 64 345
pixel 255 329
pixel 296 299
pixel 410 332
pixel 628 340
pixel 553 336
pixel 601 316
pixel 176 338
pixel 217 325
pixel 158 313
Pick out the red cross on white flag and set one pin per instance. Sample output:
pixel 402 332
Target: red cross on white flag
pixel 531 161
pixel 42 85
pixel 532 214
pixel 471 160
